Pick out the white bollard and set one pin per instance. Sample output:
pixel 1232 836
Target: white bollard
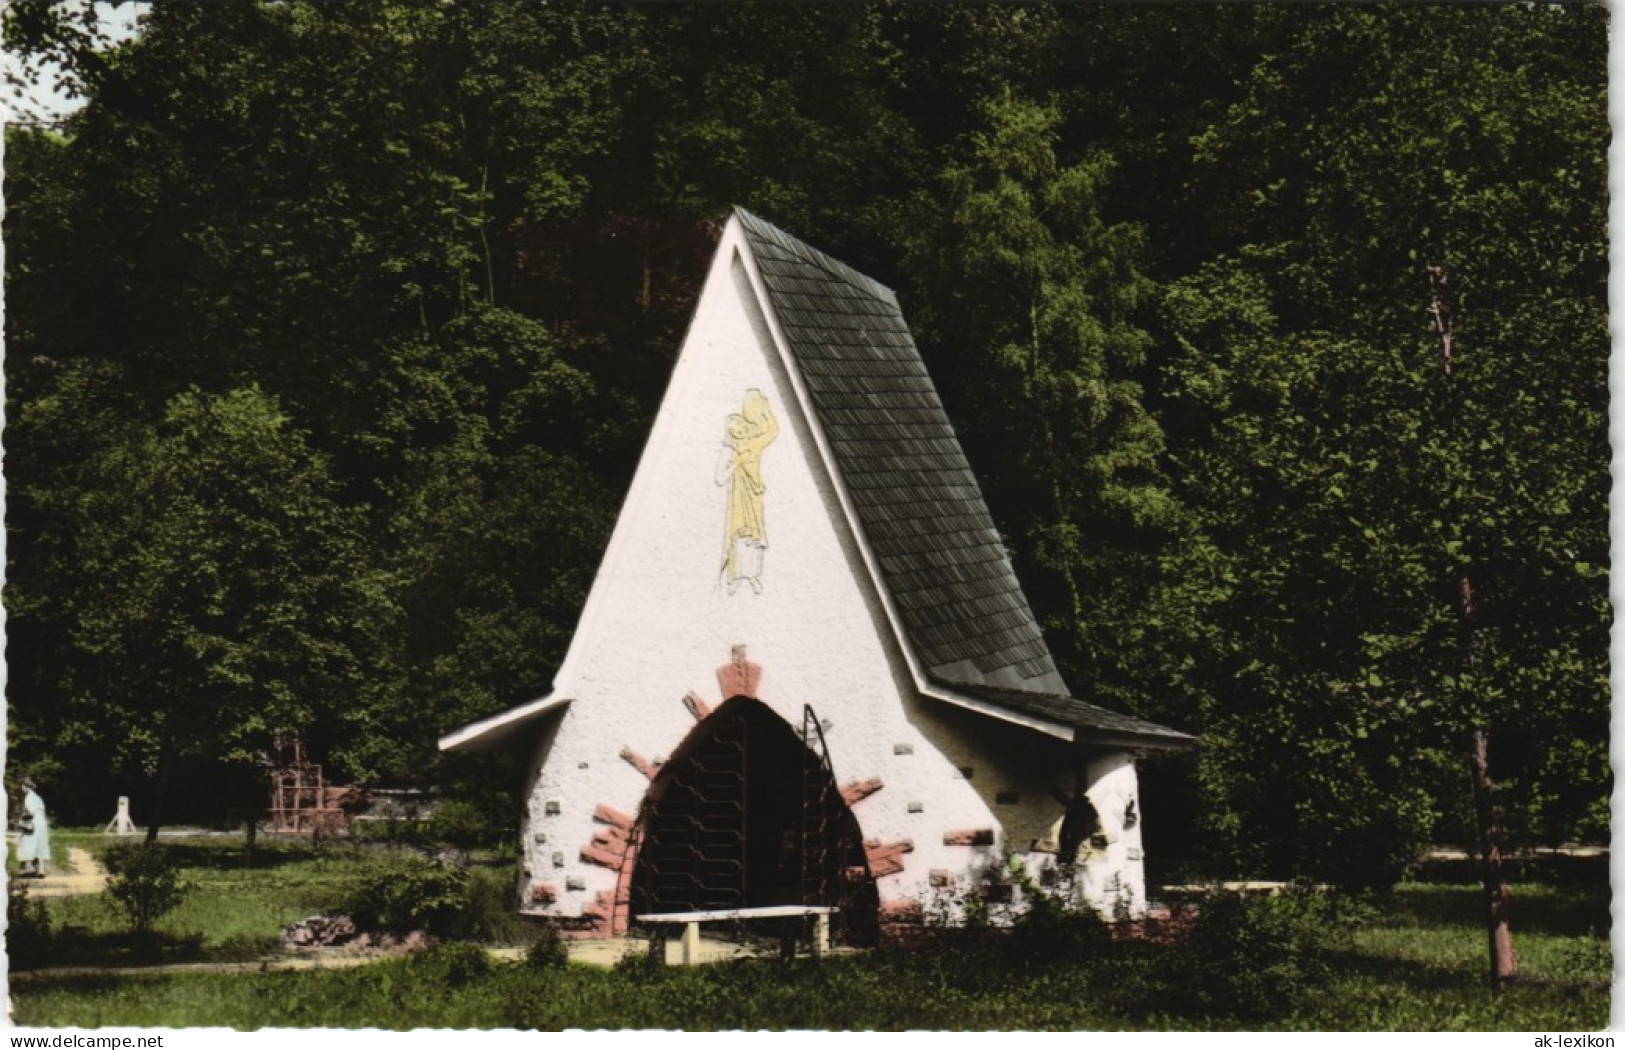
pixel 121 824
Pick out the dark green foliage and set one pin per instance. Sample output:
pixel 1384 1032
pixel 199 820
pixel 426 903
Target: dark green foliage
pixel 29 928
pixel 145 882
pixel 333 332
pixel 461 825
pixel 453 965
pixel 1344 484
pixel 402 893
pixel 548 952
pixel 1252 956
pixel 1050 934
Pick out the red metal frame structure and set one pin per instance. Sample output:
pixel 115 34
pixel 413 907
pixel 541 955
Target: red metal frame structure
pixel 302 802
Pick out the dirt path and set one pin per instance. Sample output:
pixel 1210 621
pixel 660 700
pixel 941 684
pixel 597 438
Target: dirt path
pixel 85 874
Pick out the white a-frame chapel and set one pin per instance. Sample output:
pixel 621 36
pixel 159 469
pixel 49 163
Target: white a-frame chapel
pixel 806 672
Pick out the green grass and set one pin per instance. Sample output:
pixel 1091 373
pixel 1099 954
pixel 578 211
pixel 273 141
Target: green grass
pixel 237 906
pixel 1415 961
pixel 882 990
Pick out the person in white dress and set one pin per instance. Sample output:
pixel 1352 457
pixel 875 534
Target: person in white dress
pixel 34 844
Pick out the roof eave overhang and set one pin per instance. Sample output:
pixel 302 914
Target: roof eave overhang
pixel 491 733
pixel 1116 739
pixel 1058 730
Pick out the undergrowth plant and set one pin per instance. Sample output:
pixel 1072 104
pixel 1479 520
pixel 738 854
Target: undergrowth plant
pixel 401 893
pixel 145 884
pixel 1259 956
pixel 29 929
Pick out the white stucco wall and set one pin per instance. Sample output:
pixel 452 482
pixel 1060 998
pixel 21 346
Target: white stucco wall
pixel 661 620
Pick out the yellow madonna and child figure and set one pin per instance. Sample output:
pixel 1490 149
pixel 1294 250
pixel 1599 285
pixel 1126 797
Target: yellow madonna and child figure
pixel 745 436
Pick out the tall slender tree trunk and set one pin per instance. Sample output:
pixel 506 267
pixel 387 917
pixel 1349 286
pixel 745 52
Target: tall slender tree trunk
pixel 1503 958
pixel 1497 895
pixel 160 788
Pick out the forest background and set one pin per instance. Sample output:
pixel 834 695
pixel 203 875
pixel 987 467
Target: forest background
pixel 1277 336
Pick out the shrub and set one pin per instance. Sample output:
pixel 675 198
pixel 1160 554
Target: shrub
pixel 28 928
pixel 549 952
pixel 460 825
pixel 1051 931
pixel 488 913
pixel 404 893
pixel 646 962
pixel 1258 956
pixel 146 884
pixel 454 965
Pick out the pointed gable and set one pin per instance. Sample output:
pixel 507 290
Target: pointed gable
pixel 910 499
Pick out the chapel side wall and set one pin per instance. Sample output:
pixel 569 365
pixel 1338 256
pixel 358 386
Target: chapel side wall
pixel 663 619
pixel 1016 771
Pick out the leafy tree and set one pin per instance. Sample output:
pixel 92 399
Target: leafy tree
pixel 67 37
pixel 439 257
pixel 215 597
pixel 1035 295
pixel 1347 483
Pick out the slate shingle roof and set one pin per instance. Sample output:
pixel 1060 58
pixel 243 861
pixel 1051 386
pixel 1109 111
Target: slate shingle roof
pixel 918 504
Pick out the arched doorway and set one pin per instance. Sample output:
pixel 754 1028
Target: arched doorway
pixel 745 814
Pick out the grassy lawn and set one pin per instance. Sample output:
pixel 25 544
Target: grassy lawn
pixel 237 906
pixel 1410 960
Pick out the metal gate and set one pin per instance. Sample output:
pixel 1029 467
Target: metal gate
pixel 691 853
pixel 746 813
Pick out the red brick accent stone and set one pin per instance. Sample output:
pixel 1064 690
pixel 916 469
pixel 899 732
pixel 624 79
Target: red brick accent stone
pixel 902 923
pixel 602 855
pixel 611 847
pixel 611 838
pixel 972 837
pixel 739 677
pixel 543 893
pixel 859 790
pixel 608 911
pixel 641 764
pixel 612 816
pixel 887 859
pixel 697 707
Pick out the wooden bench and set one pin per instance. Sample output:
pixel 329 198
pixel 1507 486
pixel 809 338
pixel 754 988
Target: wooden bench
pixel 691 923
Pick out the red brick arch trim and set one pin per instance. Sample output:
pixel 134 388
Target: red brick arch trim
pixel 697 707
pixel 858 790
pixel 638 762
pixel 888 859
pixel 611 847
